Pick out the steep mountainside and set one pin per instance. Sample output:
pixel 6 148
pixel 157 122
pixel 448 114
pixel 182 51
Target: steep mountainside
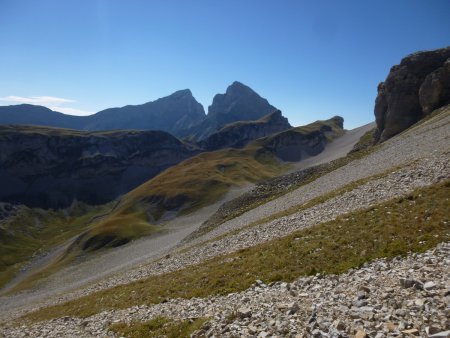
pixel 239 103
pixel 238 134
pixel 299 143
pixel 179 114
pixel 173 113
pixel 414 88
pixel 51 168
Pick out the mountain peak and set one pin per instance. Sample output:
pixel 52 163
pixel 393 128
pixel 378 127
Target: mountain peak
pixel 182 92
pixel 239 88
pixel 240 102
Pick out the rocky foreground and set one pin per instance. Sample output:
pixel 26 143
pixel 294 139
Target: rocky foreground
pixel 403 297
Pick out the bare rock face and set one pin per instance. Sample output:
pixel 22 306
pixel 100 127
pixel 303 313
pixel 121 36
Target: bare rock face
pixel 414 88
pixel 50 168
pixel 435 90
pixel 238 134
pixel 302 142
pixel 239 103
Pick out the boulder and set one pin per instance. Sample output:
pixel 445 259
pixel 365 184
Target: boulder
pixel 414 88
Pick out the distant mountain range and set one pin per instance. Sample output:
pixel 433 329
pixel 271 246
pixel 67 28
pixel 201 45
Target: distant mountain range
pixel 52 167
pixel 179 114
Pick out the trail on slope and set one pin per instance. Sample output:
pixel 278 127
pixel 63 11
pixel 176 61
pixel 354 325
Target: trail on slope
pixel 145 250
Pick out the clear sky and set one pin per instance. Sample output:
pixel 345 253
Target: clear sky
pixel 311 59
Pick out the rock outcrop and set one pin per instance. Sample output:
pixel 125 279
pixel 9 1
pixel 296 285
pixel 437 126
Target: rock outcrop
pixel 50 168
pixel 299 143
pixel 238 134
pixel 414 88
pixel 239 103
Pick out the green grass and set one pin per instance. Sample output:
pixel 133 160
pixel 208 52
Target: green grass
pixel 414 223
pixel 159 327
pixel 34 231
pixel 205 178
pixel 366 141
pixel 183 188
pixel 186 187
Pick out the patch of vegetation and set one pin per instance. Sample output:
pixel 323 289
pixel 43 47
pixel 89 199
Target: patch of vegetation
pixel 366 141
pixel 204 179
pixel 183 188
pixel 414 223
pixel 32 232
pixel 159 327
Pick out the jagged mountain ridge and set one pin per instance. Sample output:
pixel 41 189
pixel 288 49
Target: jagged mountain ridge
pixel 179 114
pixel 172 114
pixel 239 103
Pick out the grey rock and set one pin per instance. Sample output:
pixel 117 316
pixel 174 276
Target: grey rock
pixel 429 285
pixel 397 105
pixel 442 334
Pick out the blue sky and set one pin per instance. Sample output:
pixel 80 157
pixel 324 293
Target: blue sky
pixel 311 59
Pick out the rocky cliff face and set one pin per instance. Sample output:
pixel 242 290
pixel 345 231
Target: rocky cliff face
pixel 414 88
pixel 302 142
pixel 50 168
pixel 239 103
pixel 238 134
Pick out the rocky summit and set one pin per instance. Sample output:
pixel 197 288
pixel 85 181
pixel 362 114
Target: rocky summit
pixel 173 113
pixel 412 90
pixel 239 103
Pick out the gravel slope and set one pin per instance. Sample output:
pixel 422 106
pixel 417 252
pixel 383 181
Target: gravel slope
pixel 429 138
pixel 370 301
pixel 150 249
pixel 427 146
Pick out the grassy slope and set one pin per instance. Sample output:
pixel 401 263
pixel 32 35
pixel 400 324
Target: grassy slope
pixel 188 186
pixel 33 231
pixel 194 183
pixel 159 327
pixel 413 223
